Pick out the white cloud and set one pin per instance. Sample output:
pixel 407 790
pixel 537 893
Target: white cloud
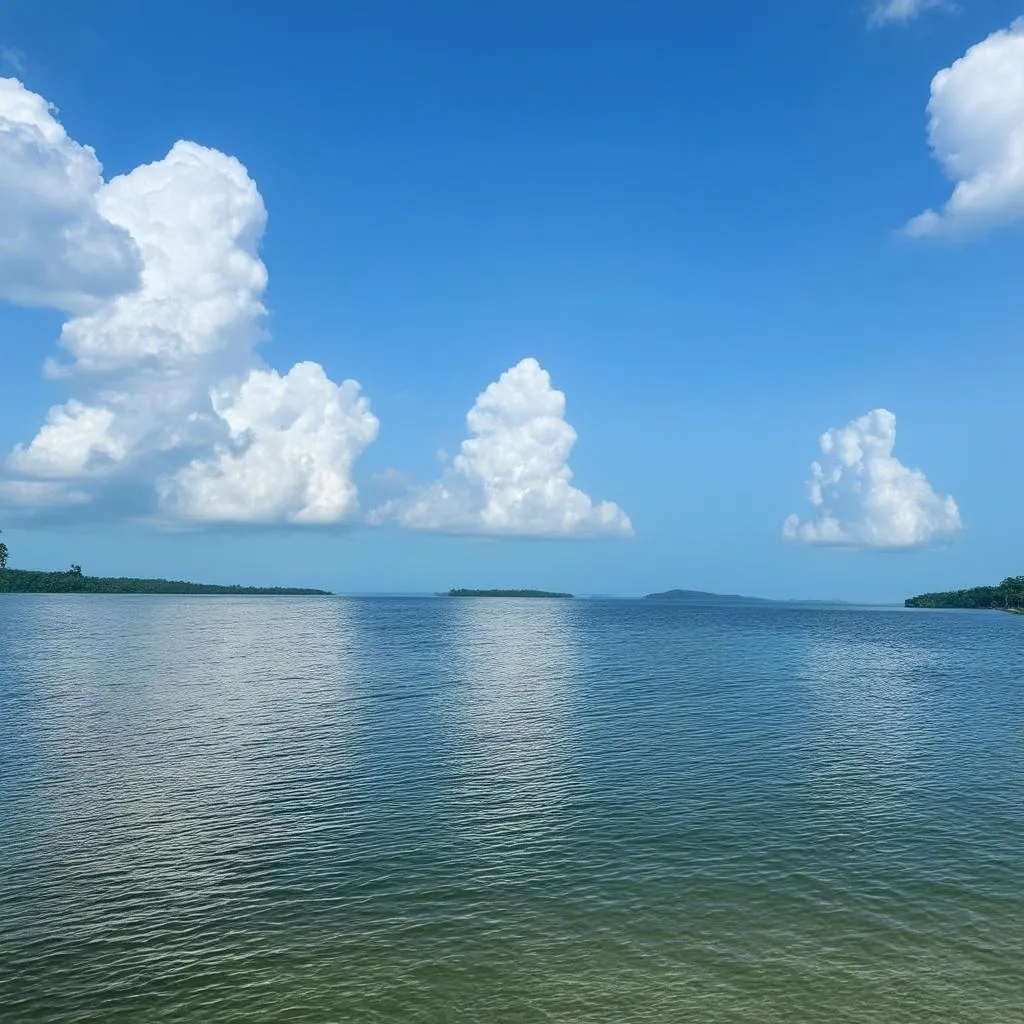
pixel 890 11
pixel 168 390
pixel 976 130
pixel 28 494
pixel 12 58
pixel 292 442
pixel 865 497
pixel 76 440
pixel 511 478
pixel 197 218
pixel 56 247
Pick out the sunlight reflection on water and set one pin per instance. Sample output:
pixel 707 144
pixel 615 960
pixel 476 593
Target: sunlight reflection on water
pixel 511 715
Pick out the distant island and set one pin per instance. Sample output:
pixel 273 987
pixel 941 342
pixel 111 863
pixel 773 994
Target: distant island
pixel 22 581
pixel 504 593
pixel 1007 596
pixel 704 597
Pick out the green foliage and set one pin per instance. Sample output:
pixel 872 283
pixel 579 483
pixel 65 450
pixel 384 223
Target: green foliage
pixel 1009 594
pixel 20 581
pixel 4 553
pixel 504 593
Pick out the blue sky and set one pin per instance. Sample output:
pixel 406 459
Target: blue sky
pixel 692 219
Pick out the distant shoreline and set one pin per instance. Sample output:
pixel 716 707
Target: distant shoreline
pixel 26 581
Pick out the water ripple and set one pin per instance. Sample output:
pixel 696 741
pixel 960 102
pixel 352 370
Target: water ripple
pixel 217 810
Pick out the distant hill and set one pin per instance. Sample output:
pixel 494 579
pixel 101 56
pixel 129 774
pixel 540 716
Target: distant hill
pixel 1009 595
pixel 22 581
pixel 704 597
pixel 505 593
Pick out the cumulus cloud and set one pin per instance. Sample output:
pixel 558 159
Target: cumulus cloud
pixel 891 11
pixel 511 477
pixel 976 131
pixel 197 219
pixel 865 497
pixel 56 247
pixel 168 389
pixel 292 442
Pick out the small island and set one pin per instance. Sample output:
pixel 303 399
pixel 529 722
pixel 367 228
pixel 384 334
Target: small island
pixel 504 593
pixel 1007 596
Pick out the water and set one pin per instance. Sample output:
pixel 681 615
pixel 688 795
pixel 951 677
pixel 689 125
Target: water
pixel 316 810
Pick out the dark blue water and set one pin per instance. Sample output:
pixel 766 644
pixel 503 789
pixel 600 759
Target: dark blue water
pixel 223 809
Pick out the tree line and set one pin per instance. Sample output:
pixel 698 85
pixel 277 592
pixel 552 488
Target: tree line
pixel 1008 594
pixel 74 581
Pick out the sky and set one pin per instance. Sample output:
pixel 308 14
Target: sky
pixel 397 297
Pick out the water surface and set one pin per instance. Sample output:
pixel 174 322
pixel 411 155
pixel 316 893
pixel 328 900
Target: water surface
pixel 316 810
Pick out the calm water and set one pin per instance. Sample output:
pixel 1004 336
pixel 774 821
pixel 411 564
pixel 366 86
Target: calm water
pixel 221 809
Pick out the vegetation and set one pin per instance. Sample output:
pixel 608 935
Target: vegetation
pixel 504 593
pixel 1009 595
pixel 74 581
pixel 20 581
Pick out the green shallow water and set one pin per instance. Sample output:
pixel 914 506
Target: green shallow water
pixel 220 809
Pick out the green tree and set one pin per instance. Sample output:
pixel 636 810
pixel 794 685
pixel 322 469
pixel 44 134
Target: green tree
pixel 3 555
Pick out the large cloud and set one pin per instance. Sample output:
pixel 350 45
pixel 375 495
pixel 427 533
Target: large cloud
pixel 865 497
pixel 976 129
pixel 511 478
pixel 197 218
pixel 56 247
pixel 889 11
pixel 168 389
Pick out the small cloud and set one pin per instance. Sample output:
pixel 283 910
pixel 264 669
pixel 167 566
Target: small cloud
pixel 976 132
pixel 392 479
pixel 511 478
pixel 12 59
pixel 865 497
pixel 891 12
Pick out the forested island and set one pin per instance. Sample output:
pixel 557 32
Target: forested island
pixel 504 593
pixel 1007 596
